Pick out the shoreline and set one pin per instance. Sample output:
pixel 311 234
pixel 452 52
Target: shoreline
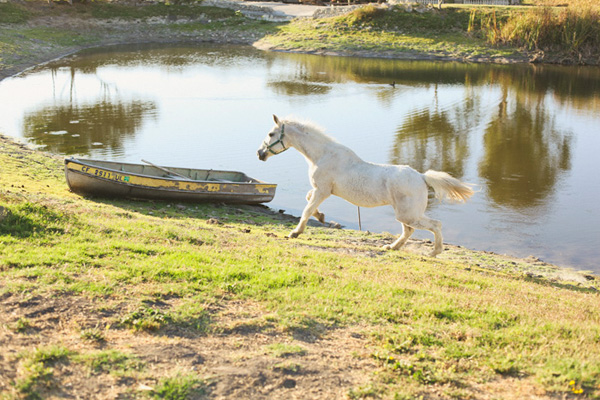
pixel 99 33
pixel 531 267
pixel 48 57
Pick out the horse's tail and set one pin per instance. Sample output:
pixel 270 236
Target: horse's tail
pixel 446 186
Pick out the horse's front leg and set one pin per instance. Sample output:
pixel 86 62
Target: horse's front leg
pixel 315 198
pixel 318 215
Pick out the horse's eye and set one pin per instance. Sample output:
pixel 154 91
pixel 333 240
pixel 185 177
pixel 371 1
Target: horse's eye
pixel 271 134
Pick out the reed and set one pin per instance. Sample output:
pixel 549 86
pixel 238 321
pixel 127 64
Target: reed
pixel 571 31
pixel 534 29
pixel 581 29
pixel 571 3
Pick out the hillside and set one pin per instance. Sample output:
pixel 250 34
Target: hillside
pixel 106 298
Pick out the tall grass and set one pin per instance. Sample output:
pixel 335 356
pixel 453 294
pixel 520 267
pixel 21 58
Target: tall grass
pixel 574 32
pixel 570 3
pixel 580 29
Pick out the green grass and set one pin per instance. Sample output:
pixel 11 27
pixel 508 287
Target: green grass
pixel 154 269
pixel 146 319
pixel 93 335
pixel 104 10
pixel 36 370
pixel 436 323
pixel 22 325
pixel 50 354
pixel 23 44
pixel 285 350
pixel 109 361
pixel 37 367
pixel 54 37
pixel 371 30
pixel 571 34
pixel 569 31
pixel 179 387
pixel 13 13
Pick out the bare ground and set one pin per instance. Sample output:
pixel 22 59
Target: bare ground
pixel 239 357
pixel 235 358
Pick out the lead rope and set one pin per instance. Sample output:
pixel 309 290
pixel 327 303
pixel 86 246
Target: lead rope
pixel 359 224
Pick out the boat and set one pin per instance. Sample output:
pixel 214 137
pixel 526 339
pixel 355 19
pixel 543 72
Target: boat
pixel 149 181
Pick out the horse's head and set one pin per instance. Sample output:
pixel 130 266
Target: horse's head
pixel 274 142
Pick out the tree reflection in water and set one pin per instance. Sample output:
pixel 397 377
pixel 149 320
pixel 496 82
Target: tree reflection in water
pixel 524 154
pixel 70 128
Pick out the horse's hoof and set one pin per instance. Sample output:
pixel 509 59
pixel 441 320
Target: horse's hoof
pixel 321 218
pixel 433 254
pixel 387 247
pixel 293 235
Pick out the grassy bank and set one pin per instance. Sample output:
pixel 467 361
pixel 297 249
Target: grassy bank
pixel 36 31
pixel 484 34
pixel 567 34
pixel 155 300
pixel 393 32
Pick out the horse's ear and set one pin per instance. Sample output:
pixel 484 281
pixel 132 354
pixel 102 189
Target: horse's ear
pixel 276 119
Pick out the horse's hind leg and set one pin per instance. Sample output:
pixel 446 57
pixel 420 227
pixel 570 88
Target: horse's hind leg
pixel 318 215
pixel 407 231
pixel 316 198
pixel 434 226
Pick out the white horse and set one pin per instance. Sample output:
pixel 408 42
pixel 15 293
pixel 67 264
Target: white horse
pixel 335 169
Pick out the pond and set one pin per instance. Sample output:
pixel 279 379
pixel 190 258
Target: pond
pixel 527 135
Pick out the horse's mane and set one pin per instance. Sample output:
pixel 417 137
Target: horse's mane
pixel 309 127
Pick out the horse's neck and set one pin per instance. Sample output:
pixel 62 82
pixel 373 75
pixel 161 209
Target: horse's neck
pixel 315 146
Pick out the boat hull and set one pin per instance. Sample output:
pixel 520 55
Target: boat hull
pixel 136 181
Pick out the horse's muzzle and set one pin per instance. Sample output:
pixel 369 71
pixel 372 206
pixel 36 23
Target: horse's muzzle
pixel 262 155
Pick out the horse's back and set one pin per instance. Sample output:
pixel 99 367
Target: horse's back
pixel 407 176
pixel 370 185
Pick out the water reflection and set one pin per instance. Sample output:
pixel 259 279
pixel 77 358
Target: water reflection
pixel 165 56
pixel 524 134
pixel 524 151
pixel 70 125
pixel 524 154
pixel 434 138
pixel 72 129
pixel 578 87
pixel 372 70
pixel 295 88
